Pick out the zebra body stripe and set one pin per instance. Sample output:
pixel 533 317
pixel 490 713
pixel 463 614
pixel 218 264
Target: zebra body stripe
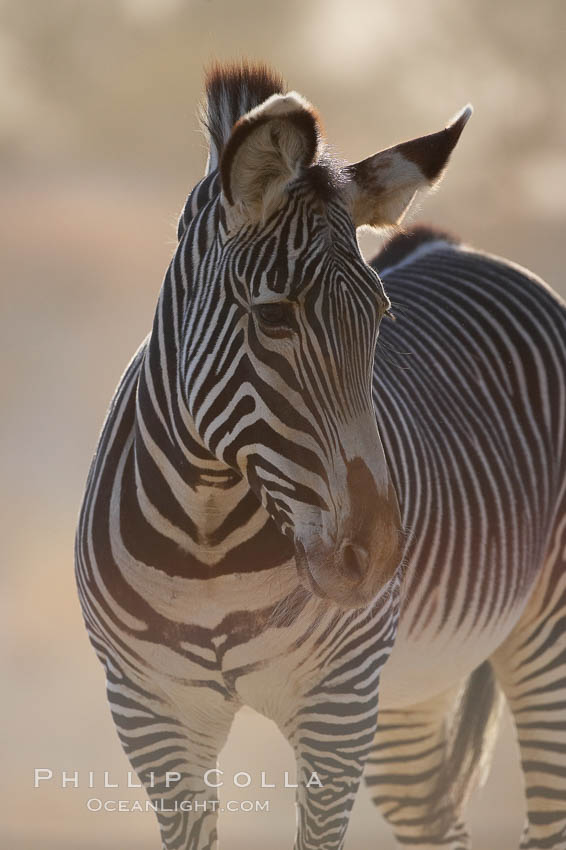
pixel 239 538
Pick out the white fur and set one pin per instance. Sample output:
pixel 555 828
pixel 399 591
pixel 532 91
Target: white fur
pixel 268 160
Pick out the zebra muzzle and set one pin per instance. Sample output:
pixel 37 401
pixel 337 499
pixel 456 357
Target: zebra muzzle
pixel 349 575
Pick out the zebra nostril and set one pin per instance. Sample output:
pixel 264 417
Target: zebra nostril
pixel 354 561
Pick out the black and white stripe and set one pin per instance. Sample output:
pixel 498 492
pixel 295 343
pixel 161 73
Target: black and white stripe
pixel 224 446
pixel 471 405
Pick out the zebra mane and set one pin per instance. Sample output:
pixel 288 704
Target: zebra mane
pixel 232 90
pixel 405 243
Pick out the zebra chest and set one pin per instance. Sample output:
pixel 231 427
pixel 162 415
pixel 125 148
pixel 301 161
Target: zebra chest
pixel 251 635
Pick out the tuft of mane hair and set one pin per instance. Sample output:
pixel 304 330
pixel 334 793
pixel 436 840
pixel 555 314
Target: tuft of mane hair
pixel 233 89
pixel 403 244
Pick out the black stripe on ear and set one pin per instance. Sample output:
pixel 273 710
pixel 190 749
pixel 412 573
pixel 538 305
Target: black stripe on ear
pixel 431 153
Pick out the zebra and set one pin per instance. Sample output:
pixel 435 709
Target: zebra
pixel 323 484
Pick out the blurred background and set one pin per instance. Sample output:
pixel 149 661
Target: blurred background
pixel 99 146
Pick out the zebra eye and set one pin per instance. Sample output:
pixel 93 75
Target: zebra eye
pixel 276 315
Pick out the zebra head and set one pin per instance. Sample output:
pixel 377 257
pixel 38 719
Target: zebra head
pixel 284 318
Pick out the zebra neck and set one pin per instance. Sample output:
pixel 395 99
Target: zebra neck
pixel 200 513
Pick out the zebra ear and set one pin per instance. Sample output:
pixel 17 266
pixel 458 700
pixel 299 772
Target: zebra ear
pixel 267 149
pixel 380 189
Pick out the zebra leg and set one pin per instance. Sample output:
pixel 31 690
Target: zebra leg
pixel 403 774
pixel 332 726
pixel 331 745
pixel 531 668
pixel 171 745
